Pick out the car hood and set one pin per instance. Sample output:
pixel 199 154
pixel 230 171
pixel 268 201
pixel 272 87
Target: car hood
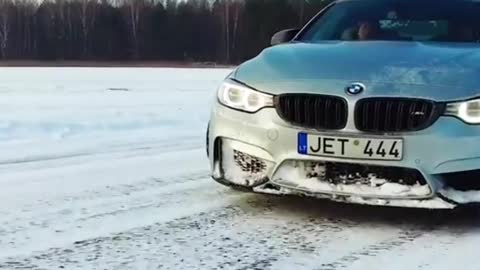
pixel 440 71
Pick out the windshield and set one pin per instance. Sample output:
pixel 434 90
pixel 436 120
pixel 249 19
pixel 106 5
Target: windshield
pixel 440 21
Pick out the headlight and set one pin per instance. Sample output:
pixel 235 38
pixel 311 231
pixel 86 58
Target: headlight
pixel 468 111
pixel 240 97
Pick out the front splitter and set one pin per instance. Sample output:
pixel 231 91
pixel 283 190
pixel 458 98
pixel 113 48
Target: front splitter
pixel 431 203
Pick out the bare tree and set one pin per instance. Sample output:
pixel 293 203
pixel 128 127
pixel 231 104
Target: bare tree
pixel 87 18
pixel 203 30
pixel 134 13
pixel 301 12
pixel 4 27
pixel 237 6
pixel 227 29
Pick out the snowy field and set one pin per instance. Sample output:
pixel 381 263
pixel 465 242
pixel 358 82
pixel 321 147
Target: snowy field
pixel 106 169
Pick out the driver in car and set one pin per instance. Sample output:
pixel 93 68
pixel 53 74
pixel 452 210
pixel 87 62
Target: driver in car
pixel 366 30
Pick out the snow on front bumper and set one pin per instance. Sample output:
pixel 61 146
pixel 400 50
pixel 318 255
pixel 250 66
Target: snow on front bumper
pixel 242 169
pixel 432 203
pixel 350 179
pixel 434 152
pixel 307 178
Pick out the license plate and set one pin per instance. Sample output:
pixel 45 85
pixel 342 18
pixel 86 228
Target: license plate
pixel 350 147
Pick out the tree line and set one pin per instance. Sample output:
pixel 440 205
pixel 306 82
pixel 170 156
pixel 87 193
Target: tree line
pixel 223 31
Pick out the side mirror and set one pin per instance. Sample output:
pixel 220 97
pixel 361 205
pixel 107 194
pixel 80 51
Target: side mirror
pixel 284 36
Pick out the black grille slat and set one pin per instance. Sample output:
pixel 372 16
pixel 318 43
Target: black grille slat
pixel 400 116
pixel 338 114
pixel 411 110
pixel 426 109
pixel 388 114
pixel 313 111
pixel 317 116
pixel 306 103
pixel 376 115
pixel 326 112
pixel 365 114
pixel 297 113
pixel 286 106
pixel 396 114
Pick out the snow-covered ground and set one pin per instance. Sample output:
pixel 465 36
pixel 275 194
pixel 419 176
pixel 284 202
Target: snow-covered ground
pixel 106 169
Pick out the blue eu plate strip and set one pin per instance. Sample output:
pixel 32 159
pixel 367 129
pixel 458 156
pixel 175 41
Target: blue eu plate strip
pixel 302 143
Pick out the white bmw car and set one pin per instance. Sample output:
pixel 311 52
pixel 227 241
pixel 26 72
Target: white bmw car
pixel 372 102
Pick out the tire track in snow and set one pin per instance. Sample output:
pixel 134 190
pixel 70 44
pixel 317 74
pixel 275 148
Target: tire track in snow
pixel 72 213
pixel 437 230
pixel 250 232
pixel 114 151
pixel 374 250
pixel 101 247
pixel 63 255
pixel 120 191
pixel 437 248
pixel 246 231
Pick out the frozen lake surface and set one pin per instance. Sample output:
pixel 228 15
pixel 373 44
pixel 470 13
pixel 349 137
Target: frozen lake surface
pixel 106 169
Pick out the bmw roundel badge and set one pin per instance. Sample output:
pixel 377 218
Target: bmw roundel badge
pixel 355 88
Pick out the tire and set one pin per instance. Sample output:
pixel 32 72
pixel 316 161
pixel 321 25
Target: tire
pixel 241 189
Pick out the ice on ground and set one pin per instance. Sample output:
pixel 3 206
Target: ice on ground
pixel 76 157
pixel 49 103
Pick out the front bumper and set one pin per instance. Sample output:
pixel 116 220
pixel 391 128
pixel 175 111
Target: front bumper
pixel 449 146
